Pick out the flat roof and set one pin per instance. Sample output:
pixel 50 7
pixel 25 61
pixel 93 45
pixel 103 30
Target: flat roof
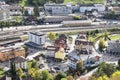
pixel 37 33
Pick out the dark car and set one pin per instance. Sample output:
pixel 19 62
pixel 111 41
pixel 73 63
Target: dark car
pixel 41 66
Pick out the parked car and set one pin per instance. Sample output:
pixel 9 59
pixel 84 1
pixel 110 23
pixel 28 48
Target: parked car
pixel 41 66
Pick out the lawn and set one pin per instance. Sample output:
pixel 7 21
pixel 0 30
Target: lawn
pixel 115 37
pixel 84 1
pixel 93 38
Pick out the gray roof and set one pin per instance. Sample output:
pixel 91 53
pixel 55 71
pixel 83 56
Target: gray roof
pixel 18 59
pixel 37 33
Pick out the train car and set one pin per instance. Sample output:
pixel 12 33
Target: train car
pixel 76 23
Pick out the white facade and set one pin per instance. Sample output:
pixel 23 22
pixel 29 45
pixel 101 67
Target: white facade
pixel 58 9
pixel 38 38
pixel 87 59
pixel 4 14
pixel 98 7
pixel 22 65
pixel 50 53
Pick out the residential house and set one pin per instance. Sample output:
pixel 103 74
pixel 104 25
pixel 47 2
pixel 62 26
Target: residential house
pixel 4 14
pixel 15 10
pixel 59 54
pixel 90 7
pixel 60 43
pixel 114 47
pixel 116 10
pixel 82 45
pixel 83 51
pixel 58 9
pixel 50 51
pixel 8 53
pixel 20 62
pixel 36 39
pixel 88 60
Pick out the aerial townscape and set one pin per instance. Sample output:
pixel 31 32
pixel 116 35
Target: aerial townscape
pixel 59 39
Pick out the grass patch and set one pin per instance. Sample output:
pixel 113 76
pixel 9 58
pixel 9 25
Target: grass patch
pixel 93 38
pixel 115 37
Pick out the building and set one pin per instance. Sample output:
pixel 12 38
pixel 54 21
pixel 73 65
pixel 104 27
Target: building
pixel 50 51
pixel 11 52
pixel 114 47
pixel 60 43
pixel 20 62
pixel 57 19
pixel 116 10
pixel 90 7
pixel 37 38
pixel 4 14
pixel 58 9
pixel 76 23
pixel 88 60
pixel 82 45
pixel 59 54
pixel 83 51
pixel 15 10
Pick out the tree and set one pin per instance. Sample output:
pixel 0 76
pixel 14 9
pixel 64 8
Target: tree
pixel 31 72
pixel 70 78
pixel 45 75
pixel 106 35
pixel 13 71
pixel 119 64
pixel 26 48
pixel 101 44
pixel 63 79
pixel 80 66
pixel 103 78
pixel 34 64
pixel 19 72
pixel 105 69
pixel 52 36
pixel 115 76
pixel 26 13
pixel 60 75
pixel 36 10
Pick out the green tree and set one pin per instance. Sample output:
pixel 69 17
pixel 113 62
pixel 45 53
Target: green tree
pixel 101 44
pixel 26 13
pixel 80 66
pixel 119 64
pixel 103 78
pixel 63 79
pixel 34 64
pixel 92 78
pixel 60 75
pixel 36 11
pixel 115 76
pixel 52 36
pixel 19 72
pixel 70 78
pixel 31 72
pixel 13 71
pixel 105 69
pixel 45 75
